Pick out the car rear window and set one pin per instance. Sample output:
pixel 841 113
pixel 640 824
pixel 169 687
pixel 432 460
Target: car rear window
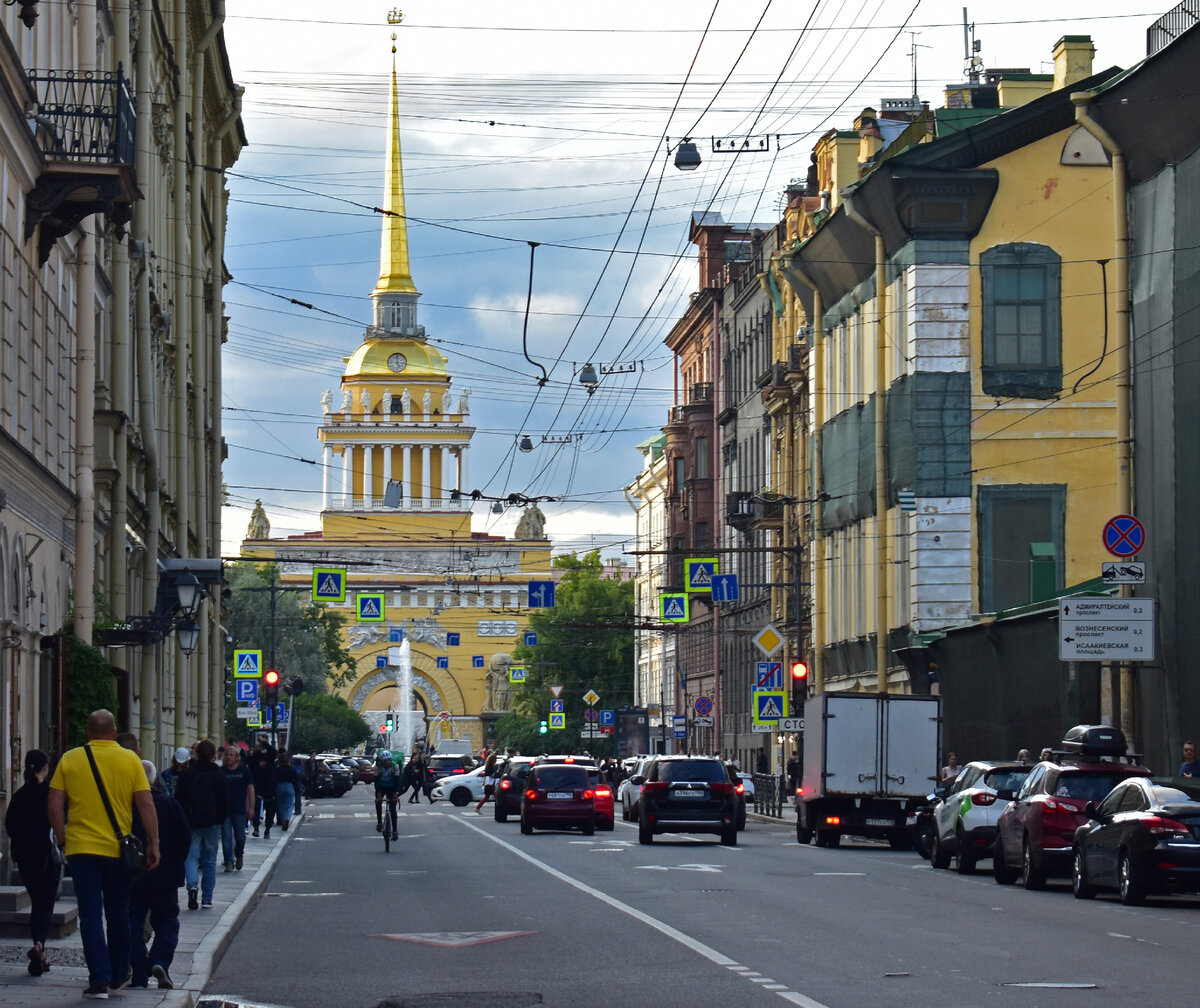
pixel 689 770
pixel 1088 785
pixel 566 777
pixel 1006 780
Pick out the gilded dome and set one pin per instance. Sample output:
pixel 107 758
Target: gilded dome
pixel 395 359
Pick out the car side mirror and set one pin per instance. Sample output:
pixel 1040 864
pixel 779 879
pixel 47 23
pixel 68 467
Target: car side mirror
pixel 1091 810
pixel 1005 794
pixel 940 792
pixel 637 779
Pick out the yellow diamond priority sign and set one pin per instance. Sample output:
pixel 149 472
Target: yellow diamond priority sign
pixel 768 640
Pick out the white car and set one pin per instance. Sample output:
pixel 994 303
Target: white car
pixel 964 820
pixel 630 790
pixel 460 789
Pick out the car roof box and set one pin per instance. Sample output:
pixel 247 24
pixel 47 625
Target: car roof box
pixel 1094 740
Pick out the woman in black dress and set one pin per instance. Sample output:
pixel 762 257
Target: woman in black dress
pixel 28 825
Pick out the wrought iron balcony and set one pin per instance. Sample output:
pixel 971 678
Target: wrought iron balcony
pixel 84 127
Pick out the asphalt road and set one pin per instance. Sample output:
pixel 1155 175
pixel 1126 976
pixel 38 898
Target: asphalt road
pixel 467 911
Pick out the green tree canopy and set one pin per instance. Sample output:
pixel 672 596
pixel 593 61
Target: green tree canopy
pixel 325 723
pixel 584 642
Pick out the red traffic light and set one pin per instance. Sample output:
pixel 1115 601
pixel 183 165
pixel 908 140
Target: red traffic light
pixel 799 672
pixel 270 678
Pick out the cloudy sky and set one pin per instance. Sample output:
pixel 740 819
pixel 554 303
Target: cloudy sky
pixel 543 123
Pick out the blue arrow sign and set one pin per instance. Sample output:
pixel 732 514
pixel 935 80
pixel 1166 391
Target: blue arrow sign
pixel 541 594
pixel 531 638
pixel 395 635
pixel 725 587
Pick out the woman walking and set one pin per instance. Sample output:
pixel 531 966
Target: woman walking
pixel 286 783
pixel 28 825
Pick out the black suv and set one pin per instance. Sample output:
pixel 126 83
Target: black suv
pixel 688 794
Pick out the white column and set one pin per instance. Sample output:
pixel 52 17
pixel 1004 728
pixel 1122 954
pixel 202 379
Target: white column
pixel 326 458
pixel 347 474
pixel 425 451
pixel 462 470
pixel 387 464
pixel 406 477
pixel 447 485
pixel 368 477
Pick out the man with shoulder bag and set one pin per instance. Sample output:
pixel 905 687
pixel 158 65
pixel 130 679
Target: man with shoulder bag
pixel 103 782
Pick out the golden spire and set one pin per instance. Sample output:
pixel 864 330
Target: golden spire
pixel 394 271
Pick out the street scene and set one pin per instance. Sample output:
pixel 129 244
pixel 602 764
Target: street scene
pixel 675 503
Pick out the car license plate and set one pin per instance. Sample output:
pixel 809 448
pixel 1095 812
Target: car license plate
pixel 559 794
pixel 880 822
pixel 688 793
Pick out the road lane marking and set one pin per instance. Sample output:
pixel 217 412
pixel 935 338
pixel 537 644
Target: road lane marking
pixel 663 928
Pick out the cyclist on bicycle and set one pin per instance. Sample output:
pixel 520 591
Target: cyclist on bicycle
pixel 387 782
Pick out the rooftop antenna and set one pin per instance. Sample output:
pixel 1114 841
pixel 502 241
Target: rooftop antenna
pixel 916 97
pixel 971 47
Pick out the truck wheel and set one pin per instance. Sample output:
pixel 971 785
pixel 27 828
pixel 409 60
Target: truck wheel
pixel 803 835
pixel 939 857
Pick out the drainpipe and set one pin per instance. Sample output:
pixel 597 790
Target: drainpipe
pixel 714 469
pixel 816 373
pixel 1081 100
pixel 882 529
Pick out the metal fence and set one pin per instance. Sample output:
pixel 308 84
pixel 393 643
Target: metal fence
pixel 771 795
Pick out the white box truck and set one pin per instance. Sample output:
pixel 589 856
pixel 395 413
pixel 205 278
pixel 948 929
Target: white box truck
pixel 869 759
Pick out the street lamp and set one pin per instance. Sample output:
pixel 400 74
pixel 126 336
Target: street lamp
pixel 687 157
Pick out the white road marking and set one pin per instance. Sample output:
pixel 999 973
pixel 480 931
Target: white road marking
pixel 686 940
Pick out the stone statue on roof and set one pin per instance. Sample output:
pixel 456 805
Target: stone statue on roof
pixel 259 527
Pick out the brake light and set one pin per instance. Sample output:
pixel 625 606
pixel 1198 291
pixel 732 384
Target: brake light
pixel 505 785
pixel 1057 806
pixel 720 787
pixel 983 798
pixel 531 794
pixel 1161 826
pixel 589 795
pixel 654 786
pixel 799 792
pixel 740 789
pixel 833 820
pixel 603 792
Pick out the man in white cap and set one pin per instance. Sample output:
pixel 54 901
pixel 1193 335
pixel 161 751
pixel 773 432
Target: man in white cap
pixel 171 774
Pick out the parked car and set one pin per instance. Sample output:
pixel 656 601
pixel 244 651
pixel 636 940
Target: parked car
pixel 460 789
pixel 1143 838
pixel 688 794
pixel 631 787
pixel 366 772
pixel 605 804
pixel 510 783
pixel 1035 835
pixel 964 817
pixel 558 796
pixel 330 780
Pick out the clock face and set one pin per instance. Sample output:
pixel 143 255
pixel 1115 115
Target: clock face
pixel 397 362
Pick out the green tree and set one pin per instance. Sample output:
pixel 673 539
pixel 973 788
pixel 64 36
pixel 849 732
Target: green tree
pixel 90 686
pixel 584 642
pixel 304 637
pixel 325 723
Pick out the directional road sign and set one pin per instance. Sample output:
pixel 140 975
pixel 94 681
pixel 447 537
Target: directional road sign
pixel 1124 536
pixel 725 587
pixel 1105 629
pixel 541 594
pixel 395 635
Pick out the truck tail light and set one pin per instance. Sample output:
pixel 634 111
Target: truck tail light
pixel 833 820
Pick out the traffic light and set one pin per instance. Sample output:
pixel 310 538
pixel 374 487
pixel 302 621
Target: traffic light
pixel 543 728
pixel 270 690
pixel 799 673
pixel 799 686
pixel 293 684
pixel 390 723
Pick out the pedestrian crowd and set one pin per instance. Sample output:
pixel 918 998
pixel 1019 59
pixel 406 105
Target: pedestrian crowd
pixel 102 804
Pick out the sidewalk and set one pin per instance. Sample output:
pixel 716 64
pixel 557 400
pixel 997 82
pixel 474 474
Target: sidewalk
pixel 203 937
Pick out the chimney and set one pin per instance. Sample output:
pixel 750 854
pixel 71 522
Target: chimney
pixel 1073 56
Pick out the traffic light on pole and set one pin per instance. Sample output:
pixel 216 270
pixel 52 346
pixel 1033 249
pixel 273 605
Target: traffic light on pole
pixel 543 728
pixel 270 690
pixel 390 723
pixel 799 685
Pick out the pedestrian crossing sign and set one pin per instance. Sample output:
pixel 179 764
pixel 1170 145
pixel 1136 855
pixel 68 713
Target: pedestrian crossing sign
pixel 699 574
pixel 673 608
pixel 247 664
pixel 770 707
pixel 516 673
pixel 329 584
pixel 370 607
pixel 558 720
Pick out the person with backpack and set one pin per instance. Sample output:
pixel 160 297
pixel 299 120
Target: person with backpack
pixel 204 795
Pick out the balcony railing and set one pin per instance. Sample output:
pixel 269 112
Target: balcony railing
pixel 84 116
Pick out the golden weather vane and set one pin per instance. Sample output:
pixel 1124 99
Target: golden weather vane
pixel 395 16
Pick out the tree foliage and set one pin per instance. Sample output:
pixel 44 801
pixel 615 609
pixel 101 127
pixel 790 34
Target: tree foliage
pixel 325 723
pixel 584 642
pixel 297 636
pixel 90 686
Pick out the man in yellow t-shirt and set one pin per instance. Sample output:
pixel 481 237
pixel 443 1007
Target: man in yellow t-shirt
pixel 102 885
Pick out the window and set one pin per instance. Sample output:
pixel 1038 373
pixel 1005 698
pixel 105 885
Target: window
pixel 1022 321
pixel 1011 520
pixel 679 475
pixel 701 458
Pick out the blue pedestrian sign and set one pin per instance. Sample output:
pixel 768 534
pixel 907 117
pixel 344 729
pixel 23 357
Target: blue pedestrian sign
pixel 247 664
pixel 770 706
pixel 541 594
pixel 725 587
pixel 673 608
pixel 698 574
pixel 329 584
pixel 246 690
pixel 516 673
pixel 608 717
pixel 371 607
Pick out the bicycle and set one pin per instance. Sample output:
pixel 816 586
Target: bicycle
pixel 389 823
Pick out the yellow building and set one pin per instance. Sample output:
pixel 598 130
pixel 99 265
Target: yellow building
pixel 396 516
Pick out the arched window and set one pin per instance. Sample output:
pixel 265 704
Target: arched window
pixel 1022 321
